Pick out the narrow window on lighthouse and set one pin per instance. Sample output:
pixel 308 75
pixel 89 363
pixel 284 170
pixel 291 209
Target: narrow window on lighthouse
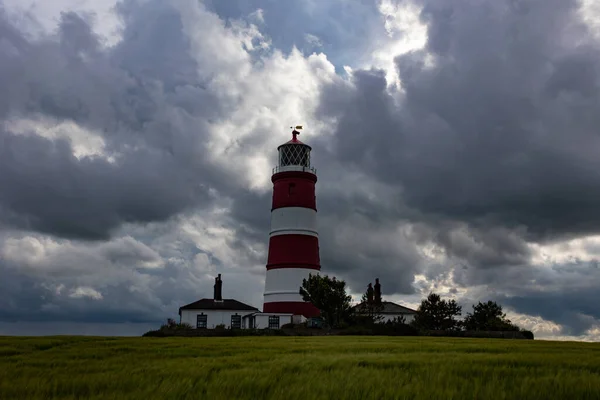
pixel 291 189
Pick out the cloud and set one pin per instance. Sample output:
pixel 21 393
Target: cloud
pixel 123 279
pixel 488 141
pixel 478 135
pixel 335 23
pixel 150 158
pixel 313 40
pixel 81 292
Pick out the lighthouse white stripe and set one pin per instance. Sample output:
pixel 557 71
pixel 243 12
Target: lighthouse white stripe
pixel 294 220
pixel 277 297
pixel 286 280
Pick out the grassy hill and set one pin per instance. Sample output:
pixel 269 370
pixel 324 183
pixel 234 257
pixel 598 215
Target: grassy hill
pixel 297 368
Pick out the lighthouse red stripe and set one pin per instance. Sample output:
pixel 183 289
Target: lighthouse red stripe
pixel 294 189
pixel 289 251
pixel 292 307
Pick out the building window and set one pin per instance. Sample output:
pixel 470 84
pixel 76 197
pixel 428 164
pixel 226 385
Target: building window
pixel 251 322
pixel 201 321
pixel 291 189
pixel 273 322
pixel 236 321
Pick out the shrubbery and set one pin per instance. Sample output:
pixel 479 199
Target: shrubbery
pixel 527 334
pixel 173 325
pixel 390 328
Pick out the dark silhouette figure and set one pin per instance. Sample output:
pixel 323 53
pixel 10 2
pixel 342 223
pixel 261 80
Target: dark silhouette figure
pixel 370 294
pixel 218 293
pixel 377 292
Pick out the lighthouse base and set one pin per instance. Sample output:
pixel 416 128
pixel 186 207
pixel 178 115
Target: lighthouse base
pixel 292 307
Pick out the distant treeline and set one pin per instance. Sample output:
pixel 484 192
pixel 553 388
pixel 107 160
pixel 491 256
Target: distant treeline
pixel 435 316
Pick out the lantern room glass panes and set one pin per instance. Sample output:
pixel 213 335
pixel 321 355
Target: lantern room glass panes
pixel 294 154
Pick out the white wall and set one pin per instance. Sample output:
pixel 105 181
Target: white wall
pixel 283 284
pixel 299 319
pixel 294 220
pixel 214 318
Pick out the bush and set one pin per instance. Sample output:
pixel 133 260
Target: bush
pixel 157 333
pixel 527 334
pixel 172 325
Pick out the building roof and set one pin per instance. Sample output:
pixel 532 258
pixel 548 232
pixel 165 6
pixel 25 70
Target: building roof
pixel 211 304
pixel 388 308
pixel 294 141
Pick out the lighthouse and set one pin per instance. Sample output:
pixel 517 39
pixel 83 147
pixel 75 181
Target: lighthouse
pixel 293 239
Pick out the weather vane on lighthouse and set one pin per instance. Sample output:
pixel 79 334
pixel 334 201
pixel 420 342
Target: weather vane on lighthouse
pixel 295 132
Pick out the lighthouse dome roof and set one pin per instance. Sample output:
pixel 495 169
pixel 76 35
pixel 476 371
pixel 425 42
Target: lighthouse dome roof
pixel 294 141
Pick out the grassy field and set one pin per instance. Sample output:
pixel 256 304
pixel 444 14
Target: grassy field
pixel 297 368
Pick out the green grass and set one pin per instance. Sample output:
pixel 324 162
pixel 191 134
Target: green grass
pixel 297 368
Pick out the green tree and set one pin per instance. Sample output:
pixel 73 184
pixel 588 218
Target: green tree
pixel 329 296
pixel 488 317
pixel 437 314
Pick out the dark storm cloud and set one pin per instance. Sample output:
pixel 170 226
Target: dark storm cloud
pixel 483 248
pixel 575 311
pixel 145 99
pixel 499 130
pixel 492 141
pixel 149 102
pixel 250 214
pixel 359 241
pixel 121 281
pixel 563 293
pixel 45 188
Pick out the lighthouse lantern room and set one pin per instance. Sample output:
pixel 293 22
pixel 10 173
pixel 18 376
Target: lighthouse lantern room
pixel 293 239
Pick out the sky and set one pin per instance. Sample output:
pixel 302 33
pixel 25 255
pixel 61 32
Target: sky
pixel 456 145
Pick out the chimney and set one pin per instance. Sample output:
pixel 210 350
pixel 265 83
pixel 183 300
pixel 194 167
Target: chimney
pixel 218 292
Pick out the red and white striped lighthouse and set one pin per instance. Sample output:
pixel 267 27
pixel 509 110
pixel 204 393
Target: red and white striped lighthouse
pixel 293 240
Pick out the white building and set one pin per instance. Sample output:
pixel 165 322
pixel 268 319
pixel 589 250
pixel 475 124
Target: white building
pixel 229 313
pixel 210 313
pixel 389 311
